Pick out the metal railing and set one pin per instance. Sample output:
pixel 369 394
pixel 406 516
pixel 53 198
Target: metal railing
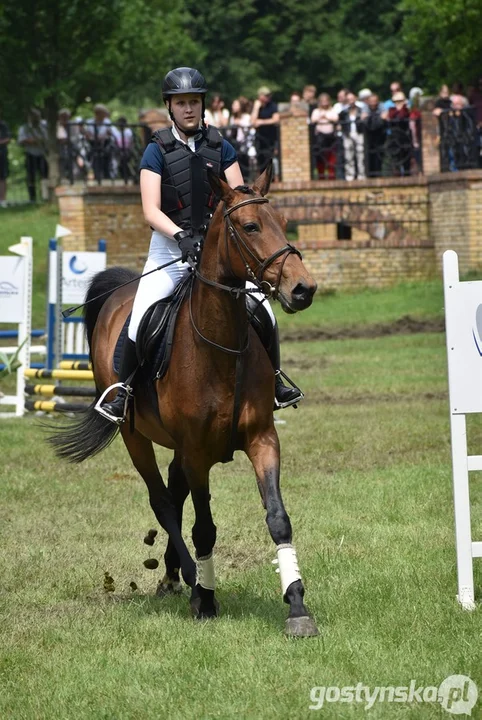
pixel 255 147
pixel 460 140
pixel 102 153
pixel 370 147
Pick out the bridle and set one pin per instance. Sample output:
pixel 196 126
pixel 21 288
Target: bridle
pixel 256 277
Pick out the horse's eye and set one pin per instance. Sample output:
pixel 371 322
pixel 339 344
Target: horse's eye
pixel 251 227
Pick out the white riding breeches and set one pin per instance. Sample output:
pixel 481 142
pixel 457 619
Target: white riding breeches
pixel 160 284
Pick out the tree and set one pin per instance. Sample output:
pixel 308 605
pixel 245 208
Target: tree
pixel 445 39
pixel 56 52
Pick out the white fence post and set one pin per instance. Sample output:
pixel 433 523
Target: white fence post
pixel 463 318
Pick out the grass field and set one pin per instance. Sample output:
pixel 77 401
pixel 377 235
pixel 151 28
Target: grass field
pixel 366 478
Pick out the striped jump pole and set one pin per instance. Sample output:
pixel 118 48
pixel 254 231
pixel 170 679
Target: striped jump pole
pixel 60 390
pixel 59 374
pixel 52 406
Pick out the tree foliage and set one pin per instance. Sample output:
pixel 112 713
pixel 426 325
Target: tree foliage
pixel 445 39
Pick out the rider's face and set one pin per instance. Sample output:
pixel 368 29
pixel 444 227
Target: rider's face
pixel 187 110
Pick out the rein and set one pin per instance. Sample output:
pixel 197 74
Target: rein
pixel 236 292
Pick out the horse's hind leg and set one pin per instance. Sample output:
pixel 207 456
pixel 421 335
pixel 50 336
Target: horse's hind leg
pixel 264 455
pixel 142 455
pixel 179 490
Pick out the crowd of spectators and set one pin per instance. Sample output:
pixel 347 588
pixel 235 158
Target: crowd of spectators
pixel 363 136
pixel 358 136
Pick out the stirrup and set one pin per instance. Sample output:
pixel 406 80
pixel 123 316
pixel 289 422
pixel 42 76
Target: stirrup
pixel 293 402
pixel 105 413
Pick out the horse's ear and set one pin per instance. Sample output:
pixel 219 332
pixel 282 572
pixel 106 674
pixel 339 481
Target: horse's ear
pixel 219 187
pixel 262 184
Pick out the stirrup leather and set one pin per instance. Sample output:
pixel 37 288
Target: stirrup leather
pixel 105 413
pixel 280 405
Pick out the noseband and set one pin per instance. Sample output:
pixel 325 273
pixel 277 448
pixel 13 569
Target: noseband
pixel 256 277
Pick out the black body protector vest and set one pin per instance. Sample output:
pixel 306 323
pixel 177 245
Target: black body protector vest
pixel 185 170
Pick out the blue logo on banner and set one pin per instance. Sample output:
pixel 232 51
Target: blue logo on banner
pixel 478 324
pixel 77 269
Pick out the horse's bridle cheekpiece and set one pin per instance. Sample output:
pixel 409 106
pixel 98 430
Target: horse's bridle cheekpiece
pixel 257 277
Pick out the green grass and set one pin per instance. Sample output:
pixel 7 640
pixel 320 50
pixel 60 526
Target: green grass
pixel 366 479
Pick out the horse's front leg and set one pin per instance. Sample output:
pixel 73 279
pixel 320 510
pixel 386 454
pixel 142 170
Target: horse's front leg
pixel 179 490
pixel 264 453
pixel 203 603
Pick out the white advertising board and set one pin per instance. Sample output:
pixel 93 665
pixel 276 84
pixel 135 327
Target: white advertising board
pixel 12 289
pixel 78 269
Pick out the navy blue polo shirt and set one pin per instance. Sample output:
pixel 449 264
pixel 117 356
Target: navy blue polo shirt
pixel 153 160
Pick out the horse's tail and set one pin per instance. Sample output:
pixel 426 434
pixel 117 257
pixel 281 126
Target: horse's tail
pixel 89 432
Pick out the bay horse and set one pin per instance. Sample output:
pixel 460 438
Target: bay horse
pixel 195 399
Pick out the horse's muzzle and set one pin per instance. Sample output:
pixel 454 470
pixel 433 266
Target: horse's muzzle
pixel 302 295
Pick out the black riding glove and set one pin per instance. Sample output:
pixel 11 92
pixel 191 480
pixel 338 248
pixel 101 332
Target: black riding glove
pixel 190 244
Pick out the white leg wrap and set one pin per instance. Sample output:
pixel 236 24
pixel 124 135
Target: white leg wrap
pixel 205 572
pixel 287 566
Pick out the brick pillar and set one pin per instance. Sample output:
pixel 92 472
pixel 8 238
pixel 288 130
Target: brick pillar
pixel 112 213
pixel 295 147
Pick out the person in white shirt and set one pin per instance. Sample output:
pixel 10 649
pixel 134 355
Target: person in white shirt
pixel 216 114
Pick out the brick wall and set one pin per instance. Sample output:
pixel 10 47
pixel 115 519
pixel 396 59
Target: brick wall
pixel 400 226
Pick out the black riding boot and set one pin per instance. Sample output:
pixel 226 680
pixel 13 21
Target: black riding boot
pixel 115 409
pixel 284 396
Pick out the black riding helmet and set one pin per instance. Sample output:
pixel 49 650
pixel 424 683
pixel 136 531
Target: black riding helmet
pixel 181 81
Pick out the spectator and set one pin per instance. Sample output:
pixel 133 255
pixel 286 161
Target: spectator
pixel 415 123
pixel 63 143
pixel 265 118
pixel 353 139
pixel 374 123
pixel 443 101
pixel 458 137
pixel 5 138
pixel 340 101
pixel 32 136
pixel 124 142
pixel 363 96
pixel 99 132
pixel 324 119
pixel 241 135
pixel 395 87
pixel 458 91
pixel 399 142
pixel 216 114
pixel 309 97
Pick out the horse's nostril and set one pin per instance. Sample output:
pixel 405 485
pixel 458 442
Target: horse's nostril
pixel 302 291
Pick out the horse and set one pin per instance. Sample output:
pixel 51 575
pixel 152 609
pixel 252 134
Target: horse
pixel 217 395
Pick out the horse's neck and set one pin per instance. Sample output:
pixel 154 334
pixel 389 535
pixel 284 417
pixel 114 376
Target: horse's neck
pixel 217 311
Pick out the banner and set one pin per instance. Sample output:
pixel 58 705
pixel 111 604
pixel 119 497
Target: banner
pixel 12 282
pixel 78 269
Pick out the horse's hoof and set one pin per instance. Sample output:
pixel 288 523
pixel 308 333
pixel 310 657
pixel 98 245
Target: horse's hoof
pixel 301 627
pixel 199 614
pixel 168 587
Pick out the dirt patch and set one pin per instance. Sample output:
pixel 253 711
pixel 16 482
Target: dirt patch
pixel 323 398
pixel 405 325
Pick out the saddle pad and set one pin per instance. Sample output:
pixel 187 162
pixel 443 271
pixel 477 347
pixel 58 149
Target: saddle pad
pixel 155 333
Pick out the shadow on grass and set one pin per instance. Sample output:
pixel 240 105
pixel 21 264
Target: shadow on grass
pixel 237 605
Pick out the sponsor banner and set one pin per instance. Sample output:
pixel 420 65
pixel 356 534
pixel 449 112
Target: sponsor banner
pixel 12 289
pixel 78 269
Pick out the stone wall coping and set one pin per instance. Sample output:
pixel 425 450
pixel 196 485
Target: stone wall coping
pixel 82 189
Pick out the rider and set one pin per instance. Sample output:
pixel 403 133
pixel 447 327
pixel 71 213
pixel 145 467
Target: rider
pixel 165 183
